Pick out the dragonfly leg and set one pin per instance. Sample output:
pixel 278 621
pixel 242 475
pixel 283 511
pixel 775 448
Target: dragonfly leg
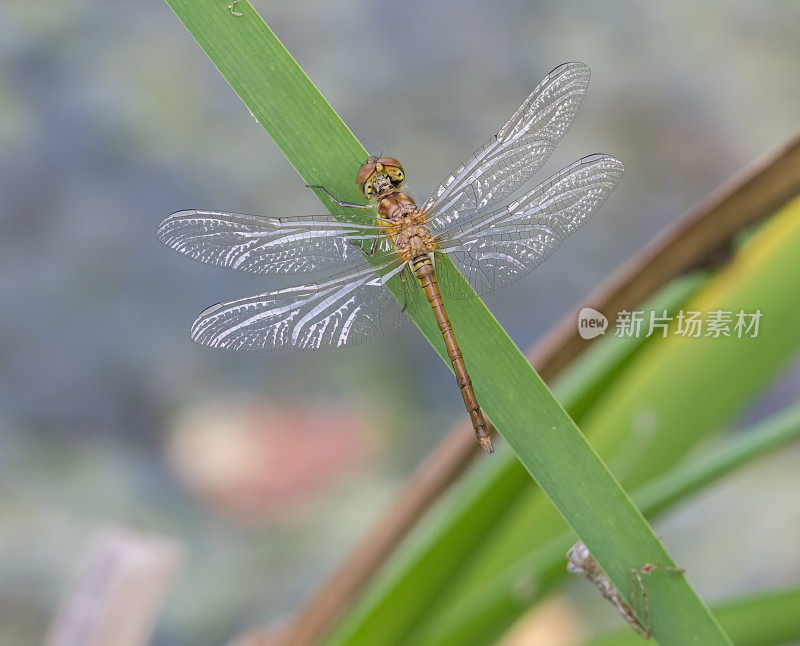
pixel 403 284
pixel 339 202
pixel 374 248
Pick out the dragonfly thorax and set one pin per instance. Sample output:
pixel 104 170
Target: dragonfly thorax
pixel 408 230
pixel 395 205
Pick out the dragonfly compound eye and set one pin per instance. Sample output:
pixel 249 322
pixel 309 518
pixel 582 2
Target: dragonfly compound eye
pixel 365 176
pixel 393 169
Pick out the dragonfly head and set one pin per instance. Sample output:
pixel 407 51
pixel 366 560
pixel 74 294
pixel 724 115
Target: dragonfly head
pixel 377 173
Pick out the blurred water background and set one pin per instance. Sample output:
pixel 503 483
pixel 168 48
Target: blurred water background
pixel 111 118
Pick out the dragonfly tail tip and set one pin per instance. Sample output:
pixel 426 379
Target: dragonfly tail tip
pixel 486 443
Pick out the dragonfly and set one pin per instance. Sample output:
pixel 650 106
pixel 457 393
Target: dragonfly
pixel 472 218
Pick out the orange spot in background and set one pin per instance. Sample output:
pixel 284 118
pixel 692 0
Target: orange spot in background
pixel 251 458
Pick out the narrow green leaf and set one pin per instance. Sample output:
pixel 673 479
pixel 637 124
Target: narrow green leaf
pixel 521 407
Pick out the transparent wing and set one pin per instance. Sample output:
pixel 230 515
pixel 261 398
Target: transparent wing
pixel 508 243
pixel 264 245
pixel 344 310
pixel 515 153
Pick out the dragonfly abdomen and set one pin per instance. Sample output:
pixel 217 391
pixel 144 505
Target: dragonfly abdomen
pixel 423 269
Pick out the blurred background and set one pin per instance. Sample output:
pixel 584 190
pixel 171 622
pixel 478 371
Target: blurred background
pixel 267 467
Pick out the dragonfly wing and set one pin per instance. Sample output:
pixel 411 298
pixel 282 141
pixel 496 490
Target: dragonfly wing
pixel 264 245
pixel 344 310
pixel 515 153
pixel 508 243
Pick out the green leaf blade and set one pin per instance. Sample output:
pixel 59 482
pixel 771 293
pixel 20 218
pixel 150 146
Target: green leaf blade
pixel 322 149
